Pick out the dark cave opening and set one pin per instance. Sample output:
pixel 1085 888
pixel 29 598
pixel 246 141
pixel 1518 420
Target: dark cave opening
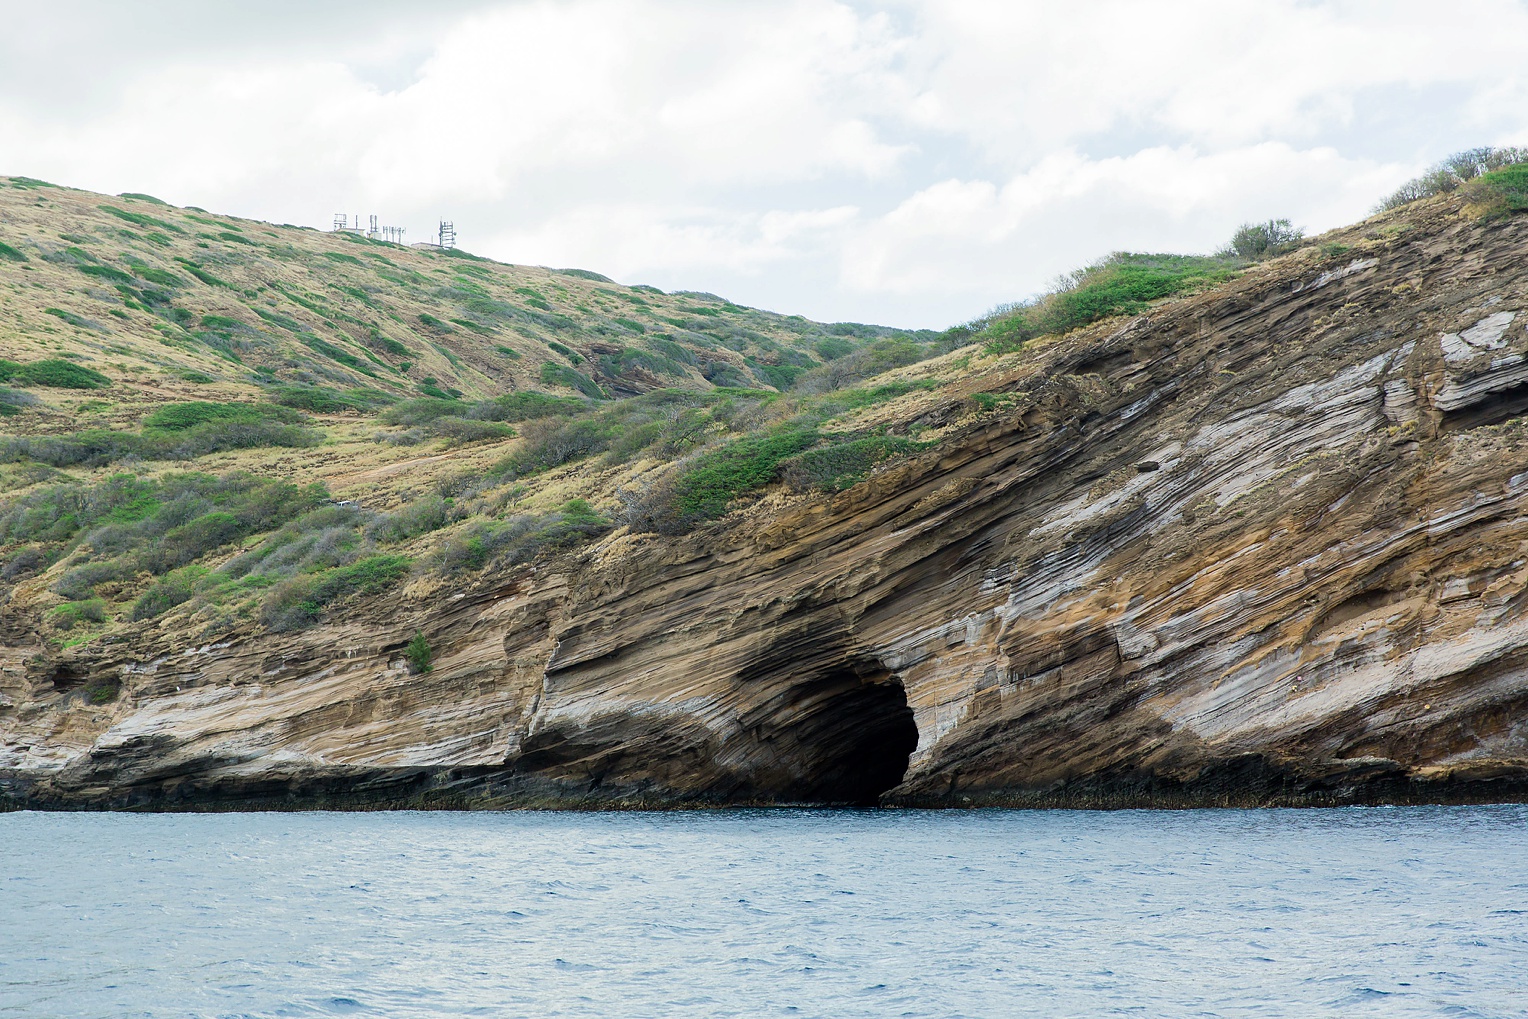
pixel 853 734
pixel 1492 409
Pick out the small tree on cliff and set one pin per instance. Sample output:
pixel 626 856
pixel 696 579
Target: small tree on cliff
pixel 1253 241
pixel 418 653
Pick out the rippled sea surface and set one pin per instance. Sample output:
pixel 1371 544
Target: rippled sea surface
pixel 1358 912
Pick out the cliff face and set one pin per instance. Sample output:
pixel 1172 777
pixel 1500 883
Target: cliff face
pixel 1262 545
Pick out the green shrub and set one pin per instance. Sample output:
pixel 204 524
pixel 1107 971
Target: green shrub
pixel 106 272
pixel 14 401
pixel 418 411
pixel 856 398
pixel 429 387
pixel 70 317
pixel 433 322
pixel 168 591
pixel 1254 241
pixel 833 347
pixel 663 423
pixel 123 525
pixel 334 353
pixel 1453 172
pixel 671 350
pixel 451 419
pixel 301 601
pixel 841 465
pixel 419 517
pixel 525 406
pixel 1501 192
pixel 139 219
pixel 781 376
pixel 205 276
pixel 103 690
pixel 323 536
pixel 418 653
pixel 459 431
pixel 97 446
pixel 72 614
pixel 10 253
pixel 627 359
pixel 163 277
pixel 509 352
pixel 567 352
pixel 54 372
pixel 180 416
pixel 388 345
pixel 703 489
pixel 520 539
pixel 285 322
pixel 323 400
pixel 561 375
pixel 143 198
pixel 872 359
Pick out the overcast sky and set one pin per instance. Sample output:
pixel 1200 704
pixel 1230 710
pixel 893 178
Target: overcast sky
pixel 910 163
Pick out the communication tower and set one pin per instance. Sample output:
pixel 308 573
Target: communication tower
pixel 447 234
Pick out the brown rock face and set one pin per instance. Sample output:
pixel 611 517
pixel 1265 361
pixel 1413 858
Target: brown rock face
pixel 1265 545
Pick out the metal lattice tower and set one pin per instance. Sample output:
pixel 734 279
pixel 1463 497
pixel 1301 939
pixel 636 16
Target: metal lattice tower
pixel 341 221
pixel 447 234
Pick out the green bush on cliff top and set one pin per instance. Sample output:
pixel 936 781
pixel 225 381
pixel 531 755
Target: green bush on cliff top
pixel 1453 172
pixel 1124 283
pixel 1501 192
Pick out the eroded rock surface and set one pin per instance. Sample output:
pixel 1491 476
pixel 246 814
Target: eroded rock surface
pixel 1265 545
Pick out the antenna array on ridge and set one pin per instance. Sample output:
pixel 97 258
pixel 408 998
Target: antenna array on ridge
pixel 392 234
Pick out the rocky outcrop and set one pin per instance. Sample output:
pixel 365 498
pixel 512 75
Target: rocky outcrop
pixel 1263 545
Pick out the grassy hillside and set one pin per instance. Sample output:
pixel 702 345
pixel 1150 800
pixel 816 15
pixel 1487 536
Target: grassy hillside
pixel 213 424
pixel 160 295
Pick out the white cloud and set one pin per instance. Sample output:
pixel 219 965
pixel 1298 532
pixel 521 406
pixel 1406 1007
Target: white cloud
pixel 976 237
pixel 914 163
pixel 640 242
pixel 1200 71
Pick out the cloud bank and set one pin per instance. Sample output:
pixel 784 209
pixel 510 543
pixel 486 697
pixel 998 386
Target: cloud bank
pixel 911 163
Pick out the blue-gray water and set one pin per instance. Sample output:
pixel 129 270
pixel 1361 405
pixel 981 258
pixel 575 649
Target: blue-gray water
pixel 1360 912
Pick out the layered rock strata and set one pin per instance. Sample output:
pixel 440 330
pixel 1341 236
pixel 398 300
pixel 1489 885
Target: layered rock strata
pixel 1263 545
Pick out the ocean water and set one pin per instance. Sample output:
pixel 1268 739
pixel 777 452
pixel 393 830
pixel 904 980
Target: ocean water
pixel 1351 913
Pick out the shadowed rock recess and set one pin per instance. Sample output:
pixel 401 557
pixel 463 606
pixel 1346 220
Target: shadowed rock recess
pixel 1263 545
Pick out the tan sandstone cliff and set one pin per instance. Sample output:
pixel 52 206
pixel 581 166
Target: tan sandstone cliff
pixel 1263 545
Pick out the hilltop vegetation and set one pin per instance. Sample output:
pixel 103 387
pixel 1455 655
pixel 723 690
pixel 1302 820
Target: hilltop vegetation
pixel 1454 172
pixel 136 285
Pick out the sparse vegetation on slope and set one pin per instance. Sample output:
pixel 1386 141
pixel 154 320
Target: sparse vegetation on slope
pixel 1121 284
pixel 474 416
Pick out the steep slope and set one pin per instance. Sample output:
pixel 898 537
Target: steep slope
pixel 1264 544
pixel 153 295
